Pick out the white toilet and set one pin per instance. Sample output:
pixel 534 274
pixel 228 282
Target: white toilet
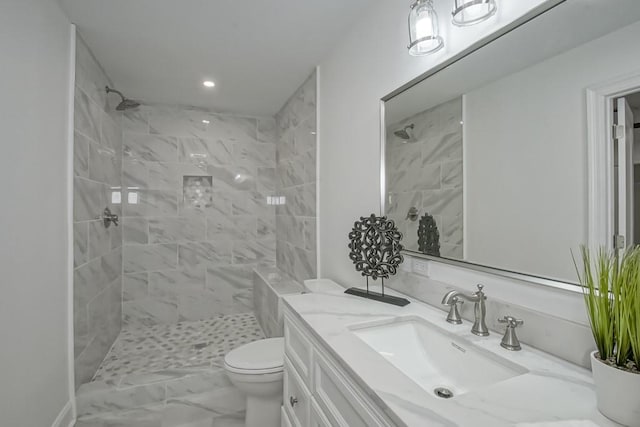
pixel 257 370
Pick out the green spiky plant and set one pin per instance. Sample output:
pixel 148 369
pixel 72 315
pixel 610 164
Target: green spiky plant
pixel 611 286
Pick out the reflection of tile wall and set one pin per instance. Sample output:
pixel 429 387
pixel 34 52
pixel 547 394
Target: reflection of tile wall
pixel 427 173
pixel 183 262
pixel 97 304
pixel 296 178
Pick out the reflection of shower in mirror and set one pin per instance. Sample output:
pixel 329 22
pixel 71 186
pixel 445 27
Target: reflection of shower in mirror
pixel 406 133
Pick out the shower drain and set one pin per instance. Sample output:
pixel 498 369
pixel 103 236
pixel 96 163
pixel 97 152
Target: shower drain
pixel 200 345
pixel 443 393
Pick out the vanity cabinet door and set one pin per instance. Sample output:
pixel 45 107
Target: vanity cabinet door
pixel 296 396
pixel 318 419
pixel 338 400
pixel 284 416
pixel 298 349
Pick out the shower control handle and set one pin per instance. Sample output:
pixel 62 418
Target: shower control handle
pixel 412 214
pixel 108 218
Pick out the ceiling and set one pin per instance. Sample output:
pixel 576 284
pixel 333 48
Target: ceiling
pixel 257 52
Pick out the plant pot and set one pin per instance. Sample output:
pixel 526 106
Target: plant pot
pixel 617 391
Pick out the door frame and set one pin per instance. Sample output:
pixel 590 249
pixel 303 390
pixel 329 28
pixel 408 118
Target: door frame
pixel 72 408
pixel 600 143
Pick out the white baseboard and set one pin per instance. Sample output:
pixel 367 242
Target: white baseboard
pixel 65 417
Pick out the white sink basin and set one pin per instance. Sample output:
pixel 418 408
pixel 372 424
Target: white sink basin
pixel 434 358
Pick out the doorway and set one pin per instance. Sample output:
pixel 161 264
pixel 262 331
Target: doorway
pixel 626 179
pixel 613 147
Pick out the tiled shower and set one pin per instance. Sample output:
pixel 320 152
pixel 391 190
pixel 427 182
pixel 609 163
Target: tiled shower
pixel 426 173
pixel 97 250
pixel 187 259
pixel 203 198
pixel 296 181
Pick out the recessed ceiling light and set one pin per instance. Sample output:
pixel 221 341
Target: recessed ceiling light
pixel 205 121
pixel 208 83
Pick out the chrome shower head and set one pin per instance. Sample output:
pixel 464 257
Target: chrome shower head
pixel 125 104
pixel 405 133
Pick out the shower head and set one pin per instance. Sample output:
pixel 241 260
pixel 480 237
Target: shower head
pixel 125 104
pixel 405 133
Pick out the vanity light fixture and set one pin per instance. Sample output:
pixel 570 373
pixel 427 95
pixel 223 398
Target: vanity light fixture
pixel 470 12
pixel 424 37
pixel 208 83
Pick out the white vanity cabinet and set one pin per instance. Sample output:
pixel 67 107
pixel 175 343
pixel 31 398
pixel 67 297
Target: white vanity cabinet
pixel 317 392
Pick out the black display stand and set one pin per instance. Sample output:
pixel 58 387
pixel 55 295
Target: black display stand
pixel 377 296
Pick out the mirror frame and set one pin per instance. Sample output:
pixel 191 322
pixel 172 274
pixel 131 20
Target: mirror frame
pixel 524 277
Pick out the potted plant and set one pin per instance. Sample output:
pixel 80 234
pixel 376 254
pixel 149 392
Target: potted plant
pixel 611 286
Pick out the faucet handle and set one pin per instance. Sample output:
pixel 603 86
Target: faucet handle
pixel 511 321
pixel 454 314
pixel 479 292
pixel 510 339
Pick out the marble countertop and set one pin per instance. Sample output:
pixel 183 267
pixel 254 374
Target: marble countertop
pixel 552 393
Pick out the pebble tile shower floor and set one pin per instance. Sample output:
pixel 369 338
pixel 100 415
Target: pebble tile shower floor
pixel 203 343
pixel 169 376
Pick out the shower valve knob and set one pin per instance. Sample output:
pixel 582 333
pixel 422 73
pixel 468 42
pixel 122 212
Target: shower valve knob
pixel 412 214
pixel 108 218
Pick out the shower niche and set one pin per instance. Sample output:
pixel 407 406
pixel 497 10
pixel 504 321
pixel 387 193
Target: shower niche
pixel 197 191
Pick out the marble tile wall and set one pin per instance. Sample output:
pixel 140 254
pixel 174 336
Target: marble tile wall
pixel 269 284
pixel 97 304
pixel 182 262
pixel 296 181
pixel 426 172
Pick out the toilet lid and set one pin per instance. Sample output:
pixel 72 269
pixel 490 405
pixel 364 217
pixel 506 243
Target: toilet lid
pixel 262 356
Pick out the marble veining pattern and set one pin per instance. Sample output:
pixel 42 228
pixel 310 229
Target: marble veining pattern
pixel 295 177
pixel 201 410
pixel 269 285
pixel 426 173
pixel 97 165
pixel 169 376
pixel 219 241
pixel 551 390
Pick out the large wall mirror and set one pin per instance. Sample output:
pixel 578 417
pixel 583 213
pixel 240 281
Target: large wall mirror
pixel 487 160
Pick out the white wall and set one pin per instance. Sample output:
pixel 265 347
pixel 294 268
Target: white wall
pixel 35 49
pixel 536 205
pixel 369 63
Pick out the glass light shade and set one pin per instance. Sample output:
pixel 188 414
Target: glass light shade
pixel 424 37
pixel 469 12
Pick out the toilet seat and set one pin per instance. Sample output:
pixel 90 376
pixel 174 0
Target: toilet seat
pixel 257 358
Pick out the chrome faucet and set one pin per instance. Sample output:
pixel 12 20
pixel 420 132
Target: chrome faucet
pixel 452 298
